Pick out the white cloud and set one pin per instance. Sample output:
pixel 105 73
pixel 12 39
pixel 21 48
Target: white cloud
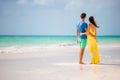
pixel 92 4
pixel 77 4
pixel 72 4
pixel 39 2
pixel 21 1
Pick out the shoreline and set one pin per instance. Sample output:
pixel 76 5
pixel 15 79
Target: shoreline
pixel 50 62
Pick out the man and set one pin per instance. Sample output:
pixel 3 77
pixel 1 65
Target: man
pixel 81 28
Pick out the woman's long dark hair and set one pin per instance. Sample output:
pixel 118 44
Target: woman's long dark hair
pixel 91 19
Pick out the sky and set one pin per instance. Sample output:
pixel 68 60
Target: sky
pixel 57 17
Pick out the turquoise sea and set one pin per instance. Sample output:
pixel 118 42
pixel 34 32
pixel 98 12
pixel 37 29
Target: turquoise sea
pixel 10 40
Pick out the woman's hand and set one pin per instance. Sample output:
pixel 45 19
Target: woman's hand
pixel 95 39
pixel 81 34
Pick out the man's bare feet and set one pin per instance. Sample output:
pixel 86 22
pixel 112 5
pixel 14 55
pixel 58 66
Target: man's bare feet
pixel 81 63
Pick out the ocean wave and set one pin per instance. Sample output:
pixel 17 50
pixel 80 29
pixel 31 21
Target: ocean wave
pixel 34 48
pixel 39 48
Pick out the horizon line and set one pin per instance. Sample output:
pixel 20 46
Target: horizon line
pixel 54 35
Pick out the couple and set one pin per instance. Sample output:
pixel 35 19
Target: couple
pixel 87 34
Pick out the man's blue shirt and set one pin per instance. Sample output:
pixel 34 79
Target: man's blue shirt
pixel 81 26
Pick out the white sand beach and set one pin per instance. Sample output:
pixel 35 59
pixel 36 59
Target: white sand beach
pixel 58 62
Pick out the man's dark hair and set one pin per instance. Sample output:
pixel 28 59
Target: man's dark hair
pixel 83 15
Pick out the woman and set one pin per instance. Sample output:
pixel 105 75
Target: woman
pixel 92 42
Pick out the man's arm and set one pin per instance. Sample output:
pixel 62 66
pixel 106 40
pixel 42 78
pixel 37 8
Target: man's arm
pixel 77 35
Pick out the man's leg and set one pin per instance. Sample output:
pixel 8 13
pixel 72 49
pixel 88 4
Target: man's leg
pixel 81 55
pixel 82 45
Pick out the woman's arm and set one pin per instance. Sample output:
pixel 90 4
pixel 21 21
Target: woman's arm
pixel 87 31
pixel 95 33
pixel 92 34
pixel 83 33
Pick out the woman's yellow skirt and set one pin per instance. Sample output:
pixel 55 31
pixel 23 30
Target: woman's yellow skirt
pixel 93 48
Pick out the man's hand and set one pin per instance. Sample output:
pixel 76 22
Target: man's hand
pixel 77 40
